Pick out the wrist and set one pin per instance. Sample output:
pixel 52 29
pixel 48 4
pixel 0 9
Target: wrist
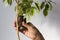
pixel 39 37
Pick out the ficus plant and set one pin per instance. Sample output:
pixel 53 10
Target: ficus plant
pixel 26 8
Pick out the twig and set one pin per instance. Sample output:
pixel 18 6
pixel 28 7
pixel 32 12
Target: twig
pixel 17 32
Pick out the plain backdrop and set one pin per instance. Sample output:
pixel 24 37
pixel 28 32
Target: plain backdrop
pixel 49 26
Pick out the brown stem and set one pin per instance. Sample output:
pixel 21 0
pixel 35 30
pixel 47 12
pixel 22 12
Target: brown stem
pixel 17 32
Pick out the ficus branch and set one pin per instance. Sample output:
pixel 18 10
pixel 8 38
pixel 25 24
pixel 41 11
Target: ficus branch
pixel 17 32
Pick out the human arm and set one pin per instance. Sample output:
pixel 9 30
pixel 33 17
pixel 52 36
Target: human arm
pixel 31 31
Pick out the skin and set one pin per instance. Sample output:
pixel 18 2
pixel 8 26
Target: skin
pixel 30 31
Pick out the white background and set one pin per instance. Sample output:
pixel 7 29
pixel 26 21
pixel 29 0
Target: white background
pixel 49 26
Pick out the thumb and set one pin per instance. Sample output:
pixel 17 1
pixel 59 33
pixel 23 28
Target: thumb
pixel 25 25
pixel 14 25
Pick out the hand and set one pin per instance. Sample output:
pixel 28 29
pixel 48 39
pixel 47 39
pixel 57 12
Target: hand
pixel 30 31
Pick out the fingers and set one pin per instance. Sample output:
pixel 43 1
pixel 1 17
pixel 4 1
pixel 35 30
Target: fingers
pixel 14 25
pixel 29 23
pixel 23 30
pixel 25 25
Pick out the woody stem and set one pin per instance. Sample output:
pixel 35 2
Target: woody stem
pixel 17 32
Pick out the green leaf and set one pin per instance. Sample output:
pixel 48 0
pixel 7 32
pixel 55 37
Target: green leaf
pixel 32 11
pixel 3 0
pixel 47 6
pixel 45 12
pixel 42 5
pixel 29 12
pixel 20 12
pixel 30 1
pixel 37 6
pixel 50 6
pixel 27 16
pixel 24 0
pixel 9 2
